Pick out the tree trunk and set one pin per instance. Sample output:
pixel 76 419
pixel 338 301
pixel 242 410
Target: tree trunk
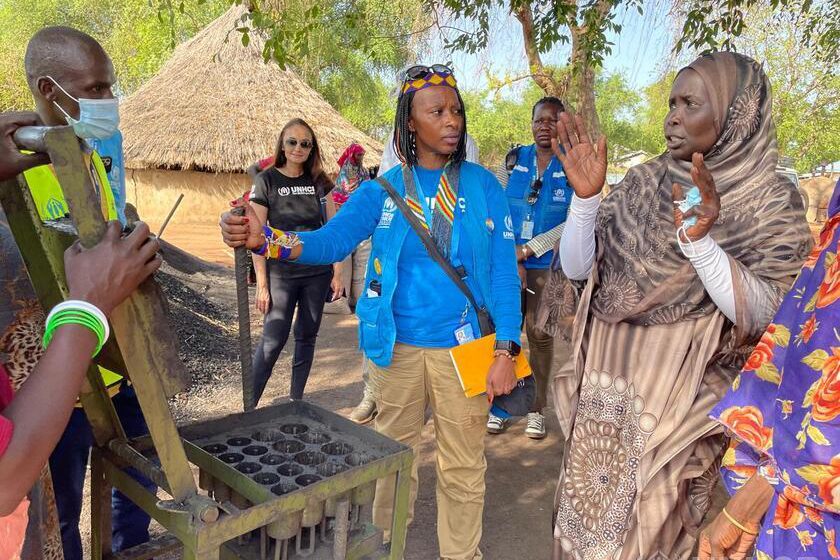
pixel 576 87
pixel 582 90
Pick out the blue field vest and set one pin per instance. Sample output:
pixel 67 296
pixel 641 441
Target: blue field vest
pixel 551 206
pixel 377 330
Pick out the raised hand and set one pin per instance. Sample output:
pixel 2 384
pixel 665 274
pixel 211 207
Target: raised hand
pixel 585 166
pixel 707 211
pixel 238 231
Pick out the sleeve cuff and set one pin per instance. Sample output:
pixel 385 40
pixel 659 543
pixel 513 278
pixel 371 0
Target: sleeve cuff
pixel 585 204
pixel 695 250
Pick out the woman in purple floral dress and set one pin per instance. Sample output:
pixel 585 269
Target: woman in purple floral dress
pixel 783 410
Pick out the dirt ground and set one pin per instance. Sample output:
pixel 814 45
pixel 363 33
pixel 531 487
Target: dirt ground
pixel 522 473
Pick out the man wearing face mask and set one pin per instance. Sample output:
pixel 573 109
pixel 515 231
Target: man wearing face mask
pixel 70 77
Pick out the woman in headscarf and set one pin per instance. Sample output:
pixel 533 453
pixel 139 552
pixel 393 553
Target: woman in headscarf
pixel 350 175
pixel 695 250
pixel 783 410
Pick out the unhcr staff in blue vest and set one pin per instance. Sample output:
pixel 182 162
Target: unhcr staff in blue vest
pixel 70 76
pixel 539 197
pixel 411 311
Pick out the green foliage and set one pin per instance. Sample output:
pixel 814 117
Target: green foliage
pixel 650 114
pixel 716 24
pixel 594 19
pixel 497 123
pixel 617 104
pixel 128 29
pixel 806 87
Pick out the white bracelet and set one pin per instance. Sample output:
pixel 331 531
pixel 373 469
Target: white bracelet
pixel 85 306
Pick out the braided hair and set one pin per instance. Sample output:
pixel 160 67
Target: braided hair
pixel 549 100
pixel 405 144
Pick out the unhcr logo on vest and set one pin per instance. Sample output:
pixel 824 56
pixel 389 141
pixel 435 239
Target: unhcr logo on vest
pixel 389 207
pixel 55 209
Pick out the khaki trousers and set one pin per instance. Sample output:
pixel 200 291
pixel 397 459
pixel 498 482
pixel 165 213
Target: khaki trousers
pixel 418 376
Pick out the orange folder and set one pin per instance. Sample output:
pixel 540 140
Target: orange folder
pixel 472 361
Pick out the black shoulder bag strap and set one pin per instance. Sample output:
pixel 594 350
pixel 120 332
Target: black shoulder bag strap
pixel 485 322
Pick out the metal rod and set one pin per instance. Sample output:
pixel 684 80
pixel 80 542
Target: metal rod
pixel 32 138
pixel 342 529
pixel 131 456
pixel 240 260
pixel 169 216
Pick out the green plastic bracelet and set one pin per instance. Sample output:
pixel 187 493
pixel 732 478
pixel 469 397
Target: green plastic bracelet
pixel 76 317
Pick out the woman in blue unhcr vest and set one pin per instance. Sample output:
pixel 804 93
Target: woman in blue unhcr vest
pixel 539 196
pixel 412 313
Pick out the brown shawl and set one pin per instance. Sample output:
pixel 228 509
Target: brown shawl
pixel 643 276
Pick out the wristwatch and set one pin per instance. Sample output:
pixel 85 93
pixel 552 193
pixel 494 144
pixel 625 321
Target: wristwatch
pixel 508 346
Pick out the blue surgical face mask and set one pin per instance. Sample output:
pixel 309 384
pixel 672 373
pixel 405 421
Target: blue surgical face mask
pixel 98 118
pixel 692 199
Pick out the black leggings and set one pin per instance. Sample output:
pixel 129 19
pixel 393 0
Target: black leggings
pixel 308 294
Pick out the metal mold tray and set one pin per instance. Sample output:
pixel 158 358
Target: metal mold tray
pixel 301 460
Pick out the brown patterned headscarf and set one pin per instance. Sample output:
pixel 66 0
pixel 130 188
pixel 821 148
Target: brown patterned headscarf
pixel 643 277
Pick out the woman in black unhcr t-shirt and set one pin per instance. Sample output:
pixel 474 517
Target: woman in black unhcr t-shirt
pixel 288 195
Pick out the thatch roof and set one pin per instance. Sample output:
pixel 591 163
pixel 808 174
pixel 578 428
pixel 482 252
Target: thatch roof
pixel 222 114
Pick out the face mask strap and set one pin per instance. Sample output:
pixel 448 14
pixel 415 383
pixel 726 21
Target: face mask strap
pixel 67 116
pixel 681 232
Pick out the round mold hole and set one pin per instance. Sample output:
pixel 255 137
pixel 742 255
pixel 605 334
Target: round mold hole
pixel 266 478
pixel 294 429
pixel 310 458
pixel 283 488
pixel 231 458
pixel 330 469
pixel 273 459
pixel 356 459
pixel 289 469
pixel 248 467
pixel 239 441
pixel 255 450
pixel 289 446
pixel 268 435
pixel 316 438
pixel 307 479
pixel 337 448
pixel 215 448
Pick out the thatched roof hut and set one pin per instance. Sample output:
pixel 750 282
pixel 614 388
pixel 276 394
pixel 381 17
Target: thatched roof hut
pixel 216 106
pixel 214 109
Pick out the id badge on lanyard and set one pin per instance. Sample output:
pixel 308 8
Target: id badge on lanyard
pixel 528 224
pixel 464 333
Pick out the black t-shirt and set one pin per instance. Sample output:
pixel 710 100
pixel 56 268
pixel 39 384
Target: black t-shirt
pixel 294 204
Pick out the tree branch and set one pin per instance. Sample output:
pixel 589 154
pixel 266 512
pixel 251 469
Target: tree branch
pixel 538 72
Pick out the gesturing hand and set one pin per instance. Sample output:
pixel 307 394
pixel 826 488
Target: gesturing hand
pixel 585 167
pixel 707 211
pixel 238 231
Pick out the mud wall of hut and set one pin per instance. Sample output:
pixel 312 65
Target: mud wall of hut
pixel 206 195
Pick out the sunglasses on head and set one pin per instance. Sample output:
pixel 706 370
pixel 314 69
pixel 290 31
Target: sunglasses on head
pixel 420 71
pixel 535 192
pixel 305 144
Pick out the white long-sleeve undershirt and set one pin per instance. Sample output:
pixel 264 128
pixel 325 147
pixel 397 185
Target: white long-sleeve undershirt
pixel 712 266
pixel 577 255
pixel 577 246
